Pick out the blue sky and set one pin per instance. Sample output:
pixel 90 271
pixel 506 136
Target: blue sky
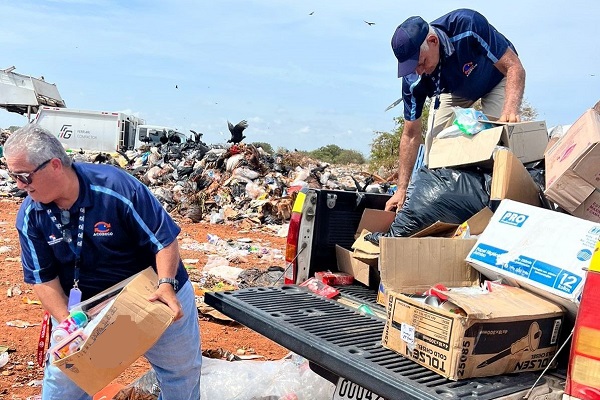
pixel 301 81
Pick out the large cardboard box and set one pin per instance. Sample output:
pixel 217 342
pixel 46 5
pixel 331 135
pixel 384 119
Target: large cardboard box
pixel 572 172
pixel 127 330
pixel 542 250
pixel 506 330
pixel 527 140
pixel 583 376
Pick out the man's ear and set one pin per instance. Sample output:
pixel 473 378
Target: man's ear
pixel 432 40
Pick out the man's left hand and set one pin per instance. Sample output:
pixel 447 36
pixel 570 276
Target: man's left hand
pixel 166 294
pixel 509 118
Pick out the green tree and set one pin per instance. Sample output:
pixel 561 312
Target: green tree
pixel 265 146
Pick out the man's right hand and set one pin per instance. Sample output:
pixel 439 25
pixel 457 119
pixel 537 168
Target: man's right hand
pixel 396 201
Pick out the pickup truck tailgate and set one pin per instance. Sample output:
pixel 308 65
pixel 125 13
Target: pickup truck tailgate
pixel 340 339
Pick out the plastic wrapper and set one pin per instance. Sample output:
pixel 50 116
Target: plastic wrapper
pixel 468 120
pixel 447 195
pixel 285 379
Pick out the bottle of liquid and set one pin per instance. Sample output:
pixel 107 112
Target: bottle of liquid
pixel 76 320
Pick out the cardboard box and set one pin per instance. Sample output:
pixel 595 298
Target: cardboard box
pixel 363 272
pixel 583 374
pixel 126 331
pixel 542 250
pixel 527 140
pixel 572 172
pixel 506 330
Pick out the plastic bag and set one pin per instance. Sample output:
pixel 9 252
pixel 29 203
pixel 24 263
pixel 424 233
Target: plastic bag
pixel 468 120
pixel 447 195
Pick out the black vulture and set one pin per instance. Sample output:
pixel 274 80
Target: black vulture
pixel 236 131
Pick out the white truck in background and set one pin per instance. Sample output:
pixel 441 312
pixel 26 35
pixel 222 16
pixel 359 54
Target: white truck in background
pixel 91 130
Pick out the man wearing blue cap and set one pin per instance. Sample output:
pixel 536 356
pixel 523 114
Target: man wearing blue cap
pixel 456 60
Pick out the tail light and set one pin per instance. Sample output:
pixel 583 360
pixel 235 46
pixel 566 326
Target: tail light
pixel 293 237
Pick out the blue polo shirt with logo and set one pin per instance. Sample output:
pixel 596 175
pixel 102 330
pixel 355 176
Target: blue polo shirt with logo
pixel 124 227
pixel 470 46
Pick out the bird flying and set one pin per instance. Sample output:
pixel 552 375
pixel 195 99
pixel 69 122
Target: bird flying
pixel 369 23
pixel 236 131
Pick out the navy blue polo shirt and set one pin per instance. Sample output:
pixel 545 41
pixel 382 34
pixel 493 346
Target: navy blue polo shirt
pixel 470 47
pixel 124 227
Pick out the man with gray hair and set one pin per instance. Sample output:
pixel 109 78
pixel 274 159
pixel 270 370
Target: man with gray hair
pixel 85 227
pixel 455 60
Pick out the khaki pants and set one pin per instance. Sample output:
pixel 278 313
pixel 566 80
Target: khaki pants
pixel 492 104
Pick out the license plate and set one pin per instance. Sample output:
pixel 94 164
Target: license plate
pixel 348 390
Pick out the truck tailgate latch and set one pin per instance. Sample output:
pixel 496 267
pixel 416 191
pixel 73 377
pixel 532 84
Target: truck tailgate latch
pixel 331 199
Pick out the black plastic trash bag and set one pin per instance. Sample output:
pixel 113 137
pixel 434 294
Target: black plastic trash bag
pixel 447 195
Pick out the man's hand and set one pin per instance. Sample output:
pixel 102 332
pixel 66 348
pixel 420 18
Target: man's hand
pixel 509 118
pixel 166 294
pixel 396 201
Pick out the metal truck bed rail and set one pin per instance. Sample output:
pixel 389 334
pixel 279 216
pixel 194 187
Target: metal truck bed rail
pixel 348 343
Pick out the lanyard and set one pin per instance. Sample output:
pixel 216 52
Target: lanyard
pixel 75 248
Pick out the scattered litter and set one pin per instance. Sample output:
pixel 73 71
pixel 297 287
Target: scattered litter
pixel 190 260
pixel 27 300
pixel 19 323
pixel 13 291
pixel 35 383
pixel 3 359
pixel 12 259
pixel 5 249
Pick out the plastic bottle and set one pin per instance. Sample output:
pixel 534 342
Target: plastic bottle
pixel 76 320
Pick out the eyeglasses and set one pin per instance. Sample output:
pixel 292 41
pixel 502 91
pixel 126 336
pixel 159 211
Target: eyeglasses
pixel 27 177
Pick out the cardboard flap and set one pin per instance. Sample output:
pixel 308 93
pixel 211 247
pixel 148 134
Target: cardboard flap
pixel 502 302
pixel 510 180
pixel 461 150
pixel 438 228
pixel 375 221
pixel 365 247
pixel 413 265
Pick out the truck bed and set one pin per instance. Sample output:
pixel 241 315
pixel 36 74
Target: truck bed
pixel 337 337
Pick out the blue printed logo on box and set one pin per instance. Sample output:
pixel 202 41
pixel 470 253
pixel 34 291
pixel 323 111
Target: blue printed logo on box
pixel 584 255
pixel 513 218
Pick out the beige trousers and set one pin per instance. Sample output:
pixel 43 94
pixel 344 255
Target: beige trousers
pixel 492 104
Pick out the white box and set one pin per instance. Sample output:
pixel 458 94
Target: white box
pixel 542 250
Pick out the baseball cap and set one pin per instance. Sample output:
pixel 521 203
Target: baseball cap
pixel 406 44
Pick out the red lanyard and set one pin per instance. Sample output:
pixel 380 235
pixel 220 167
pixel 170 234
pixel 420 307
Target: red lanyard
pixel 41 350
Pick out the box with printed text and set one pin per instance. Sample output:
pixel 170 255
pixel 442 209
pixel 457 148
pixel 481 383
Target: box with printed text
pixel 542 250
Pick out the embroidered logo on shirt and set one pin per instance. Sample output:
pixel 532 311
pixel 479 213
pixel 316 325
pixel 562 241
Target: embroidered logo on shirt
pixel 468 68
pixel 53 240
pixel 102 228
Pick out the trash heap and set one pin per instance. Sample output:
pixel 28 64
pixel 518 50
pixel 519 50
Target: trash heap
pixel 223 182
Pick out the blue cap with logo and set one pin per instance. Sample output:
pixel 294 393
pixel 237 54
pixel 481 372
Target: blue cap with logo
pixel 406 44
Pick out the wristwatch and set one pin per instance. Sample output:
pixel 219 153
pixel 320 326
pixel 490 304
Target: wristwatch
pixel 171 281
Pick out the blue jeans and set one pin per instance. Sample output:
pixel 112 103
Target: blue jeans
pixel 176 358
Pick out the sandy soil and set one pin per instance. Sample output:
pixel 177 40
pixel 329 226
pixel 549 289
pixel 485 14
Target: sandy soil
pixel 20 378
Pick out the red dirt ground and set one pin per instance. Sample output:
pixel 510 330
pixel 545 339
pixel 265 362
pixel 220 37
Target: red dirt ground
pixel 20 378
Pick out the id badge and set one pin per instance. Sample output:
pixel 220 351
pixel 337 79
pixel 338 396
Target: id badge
pixel 74 297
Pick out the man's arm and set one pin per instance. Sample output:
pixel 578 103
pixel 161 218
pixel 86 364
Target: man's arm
pixel 167 262
pixel 53 298
pixel 510 65
pixel 407 154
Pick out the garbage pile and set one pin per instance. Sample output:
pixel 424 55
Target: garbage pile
pixel 223 182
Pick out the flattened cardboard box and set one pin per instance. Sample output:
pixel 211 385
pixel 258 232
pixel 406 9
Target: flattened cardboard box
pixel 506 330
pixel 129 328
pixel 527 140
